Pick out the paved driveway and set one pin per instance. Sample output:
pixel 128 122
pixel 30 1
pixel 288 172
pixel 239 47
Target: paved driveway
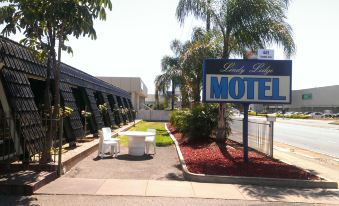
pixel 164 165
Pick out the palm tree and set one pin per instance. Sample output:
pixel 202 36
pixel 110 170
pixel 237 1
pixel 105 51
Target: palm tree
pixel 185 68
pixel 202 45
pixel 244 24
pixel 172 73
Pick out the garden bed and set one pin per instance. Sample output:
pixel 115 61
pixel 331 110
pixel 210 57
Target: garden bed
pixel 213 159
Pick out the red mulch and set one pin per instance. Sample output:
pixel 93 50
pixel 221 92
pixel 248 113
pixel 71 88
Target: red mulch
pixel 211 159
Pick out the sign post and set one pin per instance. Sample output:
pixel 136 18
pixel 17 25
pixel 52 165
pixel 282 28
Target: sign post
pixel 245 132
pixel 247 81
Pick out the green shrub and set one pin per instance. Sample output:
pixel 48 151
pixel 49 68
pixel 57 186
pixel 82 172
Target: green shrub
pixel 252 113
pixel 178 119
pixel 198 123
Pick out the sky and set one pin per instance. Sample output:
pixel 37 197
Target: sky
pixel 137 34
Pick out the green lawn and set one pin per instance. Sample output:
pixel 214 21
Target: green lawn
pixel 162 137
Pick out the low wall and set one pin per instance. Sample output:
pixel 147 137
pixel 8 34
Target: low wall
pixel 153 115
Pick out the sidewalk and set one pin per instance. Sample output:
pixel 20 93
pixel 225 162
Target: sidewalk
pixel 185 189
pixel 316 163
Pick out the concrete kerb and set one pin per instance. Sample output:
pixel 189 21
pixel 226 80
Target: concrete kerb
pixel 72 161
pixel 260 181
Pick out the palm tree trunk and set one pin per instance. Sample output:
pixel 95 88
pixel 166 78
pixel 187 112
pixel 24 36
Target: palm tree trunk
pixel 46 155
pixel 156 96
pixel 208 18
pixel 173 95
pixel 221 131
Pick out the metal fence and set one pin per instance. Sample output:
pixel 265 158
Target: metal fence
pixel 260 134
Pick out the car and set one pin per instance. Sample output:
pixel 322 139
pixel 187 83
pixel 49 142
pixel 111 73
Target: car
pixel 327 115
pixel 316 115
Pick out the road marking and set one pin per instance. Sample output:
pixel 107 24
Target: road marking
pixel 331 142
pixel 336 160
pixel 281 149
pixel 308 156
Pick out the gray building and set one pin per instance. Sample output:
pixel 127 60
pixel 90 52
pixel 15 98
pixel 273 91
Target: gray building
pixel 134 85
pixel 316 99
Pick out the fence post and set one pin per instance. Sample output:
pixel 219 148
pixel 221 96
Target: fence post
pixel 61 127
pixel 271 138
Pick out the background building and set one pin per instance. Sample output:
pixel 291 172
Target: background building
pixel 316 99
pixel 134 85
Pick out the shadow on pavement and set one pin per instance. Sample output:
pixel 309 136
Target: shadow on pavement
pixel 18 200
pixel 267 193
pixel 134 158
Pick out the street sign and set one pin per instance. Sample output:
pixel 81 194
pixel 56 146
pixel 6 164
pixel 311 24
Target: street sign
pixel 265 54
pixel 247 81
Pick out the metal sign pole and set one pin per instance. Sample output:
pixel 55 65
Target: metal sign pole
pixel 245 131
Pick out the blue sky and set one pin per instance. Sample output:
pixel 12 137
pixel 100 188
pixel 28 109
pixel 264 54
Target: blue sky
pixel 137 35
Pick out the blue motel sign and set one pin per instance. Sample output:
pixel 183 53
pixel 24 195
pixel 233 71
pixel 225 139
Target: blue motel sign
pixel 247 81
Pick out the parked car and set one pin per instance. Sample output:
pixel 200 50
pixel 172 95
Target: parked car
pixel 327 115
pixel 316 115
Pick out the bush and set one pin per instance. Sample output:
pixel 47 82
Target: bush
pixel 178 119
pixel 252 113
pixel 198 123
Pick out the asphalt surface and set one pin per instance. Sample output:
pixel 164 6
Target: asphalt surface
pixel 164 165
pixel 315 135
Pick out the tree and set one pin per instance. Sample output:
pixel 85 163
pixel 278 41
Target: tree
pixel 185 68
pixel 172 74
pixel 202 45
pixel 47 24
pixel 244 24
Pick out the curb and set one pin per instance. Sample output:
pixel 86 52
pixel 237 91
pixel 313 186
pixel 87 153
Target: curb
pixel 260 181
pixel 28 188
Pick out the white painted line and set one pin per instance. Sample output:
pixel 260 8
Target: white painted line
pixel 336 160
pixel 308 156
pixel 281 149
pixel 332 142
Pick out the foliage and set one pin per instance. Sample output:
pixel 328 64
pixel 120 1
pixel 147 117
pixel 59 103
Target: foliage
pixel 244 25
pixel 46 25
pixel 295 116
pixel 63 112
pixel 179 118
pixel 103 108
pixel 252 113
pixel 184 69
pixel 86 114
pixel 162 137
pixel 198 123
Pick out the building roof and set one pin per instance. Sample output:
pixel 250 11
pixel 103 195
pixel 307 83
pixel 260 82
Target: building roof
pixel 20 65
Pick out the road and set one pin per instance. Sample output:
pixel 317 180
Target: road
pixel 314 135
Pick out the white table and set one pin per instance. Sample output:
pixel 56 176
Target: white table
pixel 136 141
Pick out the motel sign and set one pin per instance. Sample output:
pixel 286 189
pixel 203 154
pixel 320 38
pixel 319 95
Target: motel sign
pixel 247 81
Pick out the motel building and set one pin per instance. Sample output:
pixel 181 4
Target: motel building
pixel 22 83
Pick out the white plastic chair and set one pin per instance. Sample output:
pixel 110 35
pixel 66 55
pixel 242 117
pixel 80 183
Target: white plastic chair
pixel 150 140
pixel 108 136
pixel 106 141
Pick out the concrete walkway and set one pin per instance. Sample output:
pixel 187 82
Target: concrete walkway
pixel 183 189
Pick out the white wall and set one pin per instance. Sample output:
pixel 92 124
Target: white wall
pixel 153 115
